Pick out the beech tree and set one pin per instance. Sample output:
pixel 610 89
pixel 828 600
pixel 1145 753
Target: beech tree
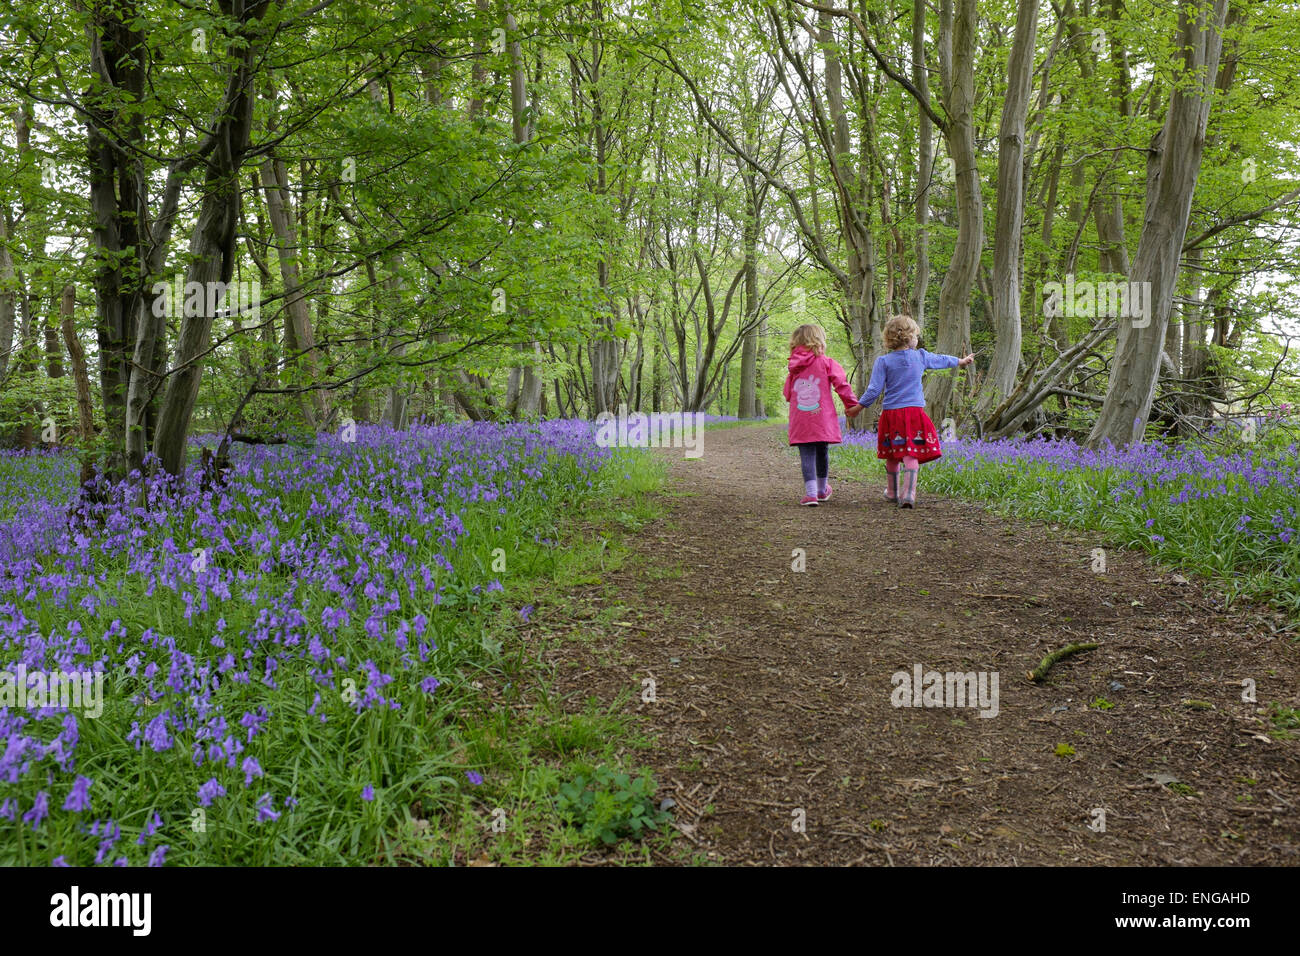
pixel 1173 166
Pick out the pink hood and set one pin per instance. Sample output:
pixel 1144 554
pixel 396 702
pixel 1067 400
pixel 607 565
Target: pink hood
pixel 800 359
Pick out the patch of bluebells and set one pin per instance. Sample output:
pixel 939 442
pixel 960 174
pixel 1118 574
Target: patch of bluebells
pixel 1200 508
pixel 217 613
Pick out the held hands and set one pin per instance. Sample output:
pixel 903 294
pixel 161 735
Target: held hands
pixel 852 411
pixel 968 360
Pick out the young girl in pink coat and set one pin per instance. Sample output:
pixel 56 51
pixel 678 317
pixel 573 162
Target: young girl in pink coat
pixel 814 426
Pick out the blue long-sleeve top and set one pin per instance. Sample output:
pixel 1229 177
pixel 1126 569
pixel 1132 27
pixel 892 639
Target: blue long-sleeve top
pixel 898 375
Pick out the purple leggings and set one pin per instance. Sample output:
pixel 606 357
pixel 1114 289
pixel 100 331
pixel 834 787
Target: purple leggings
pixel 814 459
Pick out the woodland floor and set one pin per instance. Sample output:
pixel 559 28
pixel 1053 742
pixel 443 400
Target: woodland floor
pixel 773 687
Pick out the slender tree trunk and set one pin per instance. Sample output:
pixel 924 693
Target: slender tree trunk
pixel 53 349
pixel 656 377
pixel 602 350
pixel 8 295
pixel 149 350
pixel 925 166
pixel 748 401
pixel 527 402
pixel 395 413
pixel 863 309
pixel 1110 208
pixel 1003 370
pixel 77 362
pixel 957 43
pixel 1056 325
pixel 297 309
pixel 25 365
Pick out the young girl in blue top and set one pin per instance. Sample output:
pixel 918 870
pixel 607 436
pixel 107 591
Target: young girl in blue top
pixel 905 436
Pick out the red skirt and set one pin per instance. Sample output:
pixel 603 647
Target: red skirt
pixel 906 433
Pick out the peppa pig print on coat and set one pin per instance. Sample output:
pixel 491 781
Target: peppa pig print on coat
pixel 807 394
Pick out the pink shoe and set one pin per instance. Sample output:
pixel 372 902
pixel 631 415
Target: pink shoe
pixel 827 495
pixel 809 500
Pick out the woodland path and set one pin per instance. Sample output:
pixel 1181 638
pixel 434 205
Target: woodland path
pixel 773 687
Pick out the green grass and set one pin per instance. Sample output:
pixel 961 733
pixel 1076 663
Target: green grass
pixel 1201 518
pixel 525 740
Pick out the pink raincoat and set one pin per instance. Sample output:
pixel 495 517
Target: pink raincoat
pixel 808 389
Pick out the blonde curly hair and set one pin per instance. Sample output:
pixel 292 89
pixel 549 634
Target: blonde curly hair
pixel 899 331
pixel 811 337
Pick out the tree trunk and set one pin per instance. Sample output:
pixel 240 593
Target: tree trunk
pixel 860 292
pixel 53 351
pixel 1056 324
pixel 958 37
pixel 276 187
pixel 747 406
pixel 1110 208
pixel 1173 169
pixel 925 166
pixel 8 296
pixel 528 399
pixel 212 244
pixel 117 54
pixel 77 360
pixel 26 362
pixel 1004 369
pixel 602 350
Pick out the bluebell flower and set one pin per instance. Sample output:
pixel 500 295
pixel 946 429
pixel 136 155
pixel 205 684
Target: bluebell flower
pixel 210 791
pixel 264 812
pixel 39 811
pixel 79 797
pixel 150 828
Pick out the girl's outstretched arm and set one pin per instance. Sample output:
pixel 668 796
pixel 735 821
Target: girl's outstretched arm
pixel 938 359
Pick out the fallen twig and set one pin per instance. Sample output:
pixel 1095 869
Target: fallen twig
pixel 1039 672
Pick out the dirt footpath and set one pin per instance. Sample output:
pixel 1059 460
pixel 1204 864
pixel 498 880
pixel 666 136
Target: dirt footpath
pixel 775 689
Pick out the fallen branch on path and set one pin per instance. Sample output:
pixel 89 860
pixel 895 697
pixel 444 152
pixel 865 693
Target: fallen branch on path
pixel 1048 662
